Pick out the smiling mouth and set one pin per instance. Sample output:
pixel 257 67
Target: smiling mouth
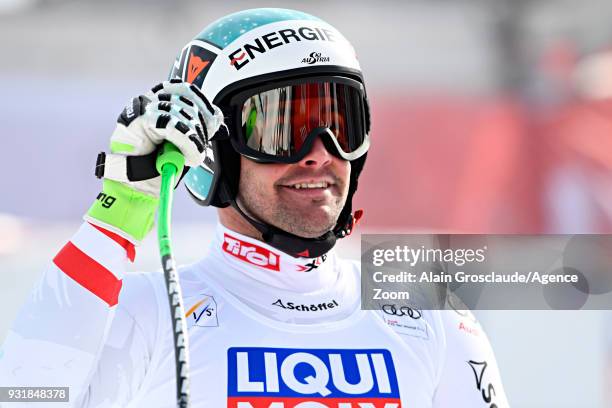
pixel 315 185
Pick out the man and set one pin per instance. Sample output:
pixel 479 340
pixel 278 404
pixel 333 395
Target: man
pixel 274 315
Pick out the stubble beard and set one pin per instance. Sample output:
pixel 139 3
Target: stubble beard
pixel 253 199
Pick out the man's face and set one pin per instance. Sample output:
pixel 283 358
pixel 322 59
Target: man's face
pixel 277 193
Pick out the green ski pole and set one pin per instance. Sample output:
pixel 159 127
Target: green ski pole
pixel 170 164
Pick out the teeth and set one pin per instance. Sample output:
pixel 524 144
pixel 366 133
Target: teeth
pixel 321 184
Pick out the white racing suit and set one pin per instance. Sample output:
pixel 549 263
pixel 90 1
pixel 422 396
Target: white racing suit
pixel 266 330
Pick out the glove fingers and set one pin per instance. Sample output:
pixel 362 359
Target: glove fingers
pixel 188 141
pixel 159 115
pixel 179 104
pixel 212 115
pixel 180 100
pixel 185 113
pixel 189 111
pixel 185 89
pixel 178 131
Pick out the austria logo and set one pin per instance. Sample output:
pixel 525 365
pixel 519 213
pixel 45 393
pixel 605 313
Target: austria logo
pixel 251 253
pixel 313 58
pixel 311 378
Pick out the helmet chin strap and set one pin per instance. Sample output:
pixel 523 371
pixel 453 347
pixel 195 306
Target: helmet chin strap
pixel 294 245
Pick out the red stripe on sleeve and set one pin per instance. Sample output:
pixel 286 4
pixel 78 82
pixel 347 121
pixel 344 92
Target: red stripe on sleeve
pixel 88 273
pixel 127 245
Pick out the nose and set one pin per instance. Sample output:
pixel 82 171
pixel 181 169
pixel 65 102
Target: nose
pixel 317 157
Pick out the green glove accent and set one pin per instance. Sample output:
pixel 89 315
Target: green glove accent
pixel 129 210
pixel 118 147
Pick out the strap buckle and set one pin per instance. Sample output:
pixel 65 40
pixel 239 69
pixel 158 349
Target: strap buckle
pixel 100 162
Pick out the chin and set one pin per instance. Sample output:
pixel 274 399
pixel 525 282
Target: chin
pixel 318 221
pixel 312 229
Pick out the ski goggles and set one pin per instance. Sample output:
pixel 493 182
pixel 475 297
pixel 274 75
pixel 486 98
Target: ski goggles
pixel 280 124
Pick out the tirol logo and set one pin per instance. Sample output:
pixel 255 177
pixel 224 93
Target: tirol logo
pixel 311 378
pixel 251 253
pixel 260 45
pixel 314 57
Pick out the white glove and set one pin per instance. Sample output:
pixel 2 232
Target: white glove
pixel 172 111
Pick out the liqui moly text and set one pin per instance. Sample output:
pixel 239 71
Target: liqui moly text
pixel 311 378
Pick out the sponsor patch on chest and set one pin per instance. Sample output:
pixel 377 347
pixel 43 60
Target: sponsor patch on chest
pixel 407 325
pixel 311 378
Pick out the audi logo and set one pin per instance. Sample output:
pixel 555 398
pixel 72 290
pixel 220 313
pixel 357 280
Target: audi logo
pixel 393 310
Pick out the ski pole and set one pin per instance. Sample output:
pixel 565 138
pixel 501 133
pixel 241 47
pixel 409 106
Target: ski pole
pixel 170 164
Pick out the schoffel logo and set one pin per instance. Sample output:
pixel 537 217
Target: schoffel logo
pixel 402 311
pixel 314 57
pixel 261 45
pixel 293 378
pixel 314 264
pixel 202 312
pixel 306 308
pixel 479 367
pixel 251 253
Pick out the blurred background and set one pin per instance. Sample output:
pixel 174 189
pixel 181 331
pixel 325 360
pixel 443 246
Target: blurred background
pixel 490 116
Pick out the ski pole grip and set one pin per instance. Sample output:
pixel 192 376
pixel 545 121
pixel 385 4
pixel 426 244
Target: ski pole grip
pixel 170 154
